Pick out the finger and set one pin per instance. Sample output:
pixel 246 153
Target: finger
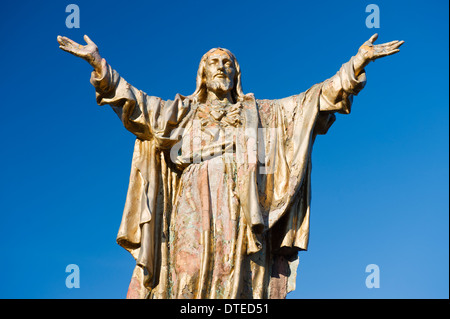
pixel 64 48
pixel 87 39
pixel 388 43
pixel 380 55
pixel 68 42
pixel 399 44
pixel 392 52
pixel 393 44
pixel 61 40
pixel 72 51
pixel 373 38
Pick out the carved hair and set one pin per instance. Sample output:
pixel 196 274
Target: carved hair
pixel 200 91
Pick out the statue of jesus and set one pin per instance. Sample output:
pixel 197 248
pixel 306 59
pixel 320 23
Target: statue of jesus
pixel 218 202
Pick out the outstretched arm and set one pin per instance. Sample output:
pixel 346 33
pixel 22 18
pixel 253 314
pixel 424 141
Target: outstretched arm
pixel 338 91
pixel 127 102
pixel 143 115
pixel 104 78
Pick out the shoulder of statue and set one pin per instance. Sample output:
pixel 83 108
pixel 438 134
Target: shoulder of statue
pixel 249 96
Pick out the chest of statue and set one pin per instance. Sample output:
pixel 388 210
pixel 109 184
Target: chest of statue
pixel 211 132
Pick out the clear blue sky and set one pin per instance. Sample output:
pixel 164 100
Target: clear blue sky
pixel 380 176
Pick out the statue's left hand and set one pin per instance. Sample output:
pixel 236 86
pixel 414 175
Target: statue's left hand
pixel 370 52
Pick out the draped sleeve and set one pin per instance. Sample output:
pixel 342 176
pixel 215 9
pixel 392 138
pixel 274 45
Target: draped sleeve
pixel 292 125
pixel 145 116
pixel 338 91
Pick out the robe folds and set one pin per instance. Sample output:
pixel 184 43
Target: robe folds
pixel 218 202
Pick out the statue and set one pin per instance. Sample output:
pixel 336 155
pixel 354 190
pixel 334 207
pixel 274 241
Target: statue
pixel 219 192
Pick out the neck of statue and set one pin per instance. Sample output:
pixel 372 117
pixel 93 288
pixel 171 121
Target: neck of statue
pixel 219 97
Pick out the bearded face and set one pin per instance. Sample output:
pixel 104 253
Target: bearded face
pixel 219 72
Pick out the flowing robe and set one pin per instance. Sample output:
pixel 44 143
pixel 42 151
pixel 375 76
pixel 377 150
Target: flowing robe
pixel 218 200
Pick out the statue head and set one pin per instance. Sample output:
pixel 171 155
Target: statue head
pixel 218 70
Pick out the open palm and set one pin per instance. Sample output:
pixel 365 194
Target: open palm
pixel 372 51
pixel 87 52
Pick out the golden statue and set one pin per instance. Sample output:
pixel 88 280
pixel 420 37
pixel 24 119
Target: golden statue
pixel 219 194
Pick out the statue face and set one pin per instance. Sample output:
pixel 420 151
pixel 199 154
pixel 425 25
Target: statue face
pixel 219 72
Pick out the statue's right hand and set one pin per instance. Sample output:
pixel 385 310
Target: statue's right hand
pixel 87 52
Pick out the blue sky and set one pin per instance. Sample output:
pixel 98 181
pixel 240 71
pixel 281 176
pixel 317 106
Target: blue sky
pixel 380 175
